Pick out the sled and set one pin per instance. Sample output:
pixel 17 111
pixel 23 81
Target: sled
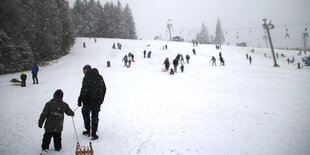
pixel 15 81
pixel 84 150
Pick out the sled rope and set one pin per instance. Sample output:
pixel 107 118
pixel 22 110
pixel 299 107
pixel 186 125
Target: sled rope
pixel 77 138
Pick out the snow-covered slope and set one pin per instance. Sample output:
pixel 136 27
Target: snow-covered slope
pixel 236 109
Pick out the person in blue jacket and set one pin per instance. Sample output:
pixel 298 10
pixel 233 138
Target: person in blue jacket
pixel 35 70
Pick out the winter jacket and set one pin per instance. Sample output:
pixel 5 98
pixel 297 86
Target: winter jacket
pixel 93 89
pixel 53 115
pixel 35 69
pixel 23 77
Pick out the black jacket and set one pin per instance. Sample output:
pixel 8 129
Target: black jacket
pixel 53 115
pixel 93 88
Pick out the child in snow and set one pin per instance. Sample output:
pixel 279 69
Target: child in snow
pixel 53 116
pixel 213 61
pixel 171 72
pixel 23 77
pixel 182 68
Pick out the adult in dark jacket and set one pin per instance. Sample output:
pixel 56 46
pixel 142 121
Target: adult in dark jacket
pixel 35 70
pixel 167 64
pixel 23 77
pixel 53 116
pixel 175 64
pixel 91 96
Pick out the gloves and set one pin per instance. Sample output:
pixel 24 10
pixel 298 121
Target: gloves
pixel 40 125
pixel 79 104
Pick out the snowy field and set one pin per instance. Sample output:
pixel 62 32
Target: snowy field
pixel 236 109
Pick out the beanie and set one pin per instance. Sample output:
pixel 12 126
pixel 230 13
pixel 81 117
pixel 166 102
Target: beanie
pixel 58 94
pixel 86 67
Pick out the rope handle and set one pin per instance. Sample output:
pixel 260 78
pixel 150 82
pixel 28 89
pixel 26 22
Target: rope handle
pixel 77 138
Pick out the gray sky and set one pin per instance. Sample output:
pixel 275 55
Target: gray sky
pixel 151 16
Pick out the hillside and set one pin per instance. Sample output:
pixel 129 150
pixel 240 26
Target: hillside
pixel 233 109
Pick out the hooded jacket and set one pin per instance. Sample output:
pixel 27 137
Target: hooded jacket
pixel 53 113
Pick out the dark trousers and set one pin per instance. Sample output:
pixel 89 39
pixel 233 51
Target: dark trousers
pixel 23 84
pixel 35 78
pixel 47 139
pixel 94 110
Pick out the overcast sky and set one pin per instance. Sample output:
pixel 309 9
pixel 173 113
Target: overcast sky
pixel 151 16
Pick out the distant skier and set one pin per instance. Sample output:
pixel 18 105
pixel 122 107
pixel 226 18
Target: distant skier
pixel 182 68
pixel 250 59
pixel 213 61
pixel 220 54
pixel 175 64
pixel 247 56
pixel 84 45
pixel 265 55
pixel 288 60
pixel 35 70
pixel 182 59
pixel 23 77
pixel 113 46
pixel 187 58
pixel 125 60
pixel 95 40
pixel 53 116
pixel 166 46
pixel 108 64
pixel 167 64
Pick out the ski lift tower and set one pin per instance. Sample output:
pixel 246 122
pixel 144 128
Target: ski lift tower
pixel 267 27
pixel 169 26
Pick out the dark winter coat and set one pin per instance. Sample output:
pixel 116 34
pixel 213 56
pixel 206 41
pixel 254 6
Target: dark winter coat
pixel 53 115
pixel 23 77
pixel 93 89
pixel 35 69
pixel 187 57
pixel 175 62
pixel 167 63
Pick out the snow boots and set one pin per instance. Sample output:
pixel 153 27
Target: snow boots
pixel 93 132
pixel 94 128
pixel 87 127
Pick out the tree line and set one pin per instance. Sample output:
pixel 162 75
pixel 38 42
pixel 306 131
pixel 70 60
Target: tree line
pixel 90 18
pixel 203 35
pixel 40 31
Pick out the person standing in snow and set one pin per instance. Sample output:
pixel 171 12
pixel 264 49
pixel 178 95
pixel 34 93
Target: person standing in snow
pixel 247 56
pixel 144 53
pixel 167 64
pixel 149 54
pixel 187 58
pixel 171 72
pixel 84 45
pixel 222 62
pixel 125 59
pixel 175 64
pixel 182 68
pixel 35 70
pixel 194 51
pixel 213 61
pixel 53 116
pixel 91 96
pixel 23 77
pixel 250 59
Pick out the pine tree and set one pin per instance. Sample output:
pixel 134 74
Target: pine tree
pixel 219 36
pixel 130 24
pixel 203 37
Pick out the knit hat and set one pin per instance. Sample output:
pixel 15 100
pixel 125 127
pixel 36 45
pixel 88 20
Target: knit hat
pixel 58 94
pixel 86 67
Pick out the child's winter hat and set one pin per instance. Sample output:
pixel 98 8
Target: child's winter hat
pixel 86 67
pixel 58 94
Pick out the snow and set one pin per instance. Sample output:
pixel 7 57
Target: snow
pixel 236 109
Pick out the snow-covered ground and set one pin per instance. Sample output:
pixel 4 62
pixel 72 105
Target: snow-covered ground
pixel 236 109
